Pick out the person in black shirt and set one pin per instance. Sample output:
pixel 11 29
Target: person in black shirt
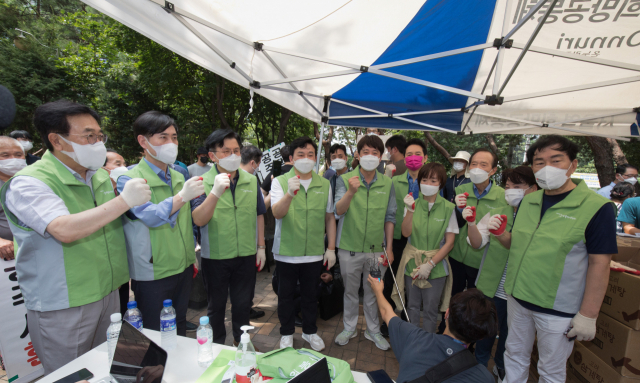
pixel 25 139
pixel 461 168
pixel 470 317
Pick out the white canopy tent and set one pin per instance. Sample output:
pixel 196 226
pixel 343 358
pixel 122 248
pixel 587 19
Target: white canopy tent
pixel 459 66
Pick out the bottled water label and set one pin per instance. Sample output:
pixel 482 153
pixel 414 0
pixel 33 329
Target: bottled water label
pixel 168 324
pixel 136 323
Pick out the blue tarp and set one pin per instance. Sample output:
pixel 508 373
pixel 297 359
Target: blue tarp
pixel 440 25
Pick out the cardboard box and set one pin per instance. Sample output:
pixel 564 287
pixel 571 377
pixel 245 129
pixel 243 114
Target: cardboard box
pixel 628 240
pixel 617 345
pixel 585 367
pixel 622 298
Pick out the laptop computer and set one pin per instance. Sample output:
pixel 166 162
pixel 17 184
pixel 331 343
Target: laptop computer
pixel 137 359
pixel 317 373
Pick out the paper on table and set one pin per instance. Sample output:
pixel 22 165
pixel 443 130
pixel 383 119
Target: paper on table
pixel 220 365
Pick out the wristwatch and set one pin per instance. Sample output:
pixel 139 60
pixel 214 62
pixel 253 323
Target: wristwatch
pixel 262 247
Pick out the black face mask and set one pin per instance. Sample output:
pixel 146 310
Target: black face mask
pixel 203 160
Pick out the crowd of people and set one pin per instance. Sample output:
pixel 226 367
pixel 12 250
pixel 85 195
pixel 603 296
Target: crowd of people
pixel 528 260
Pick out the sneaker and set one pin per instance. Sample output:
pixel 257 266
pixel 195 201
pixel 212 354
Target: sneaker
pixel 286 341
pixel 343 338
pixel 499 372
pixel 378 339
pixel 315 341
pixel 255 314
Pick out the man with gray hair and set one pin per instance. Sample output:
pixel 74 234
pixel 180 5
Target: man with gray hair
pixel 12 160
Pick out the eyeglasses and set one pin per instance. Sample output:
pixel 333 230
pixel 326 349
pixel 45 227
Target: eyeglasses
pixel 629 175
pixel 227 152
pixel 93 138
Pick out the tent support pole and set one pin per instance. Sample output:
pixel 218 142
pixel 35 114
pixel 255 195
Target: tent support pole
pixel 523 20
pixel 320 147
pixel 483 89
pixel 573 89
pixel 526 47
pixel 577 57
pixel 428 84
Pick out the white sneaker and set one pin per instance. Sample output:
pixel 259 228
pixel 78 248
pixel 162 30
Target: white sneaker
pixel 286 341
pixel 315 341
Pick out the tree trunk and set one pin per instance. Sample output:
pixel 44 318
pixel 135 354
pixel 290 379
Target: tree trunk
pixel 602 157
pixel 494 149
pixel 219 98
pixel 285 115
pixel 618 155
pixel 436 145
pixel 326 140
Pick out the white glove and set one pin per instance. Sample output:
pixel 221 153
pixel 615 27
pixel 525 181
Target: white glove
pixel 261 259
pixel 220 184
pixel 461 200
pixel 582 327
pixel 423 271
pixel 469 215
pixel 410 203
pixel 390 170
pixel 191 189
pixel 329 258
pixel 294 185
pixel 136 192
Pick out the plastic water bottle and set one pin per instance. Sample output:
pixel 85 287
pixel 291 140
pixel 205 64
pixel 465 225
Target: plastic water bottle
pixel 204 335
pixel 113 332
pixel 168 329
pixel 246 363
pixel 133 315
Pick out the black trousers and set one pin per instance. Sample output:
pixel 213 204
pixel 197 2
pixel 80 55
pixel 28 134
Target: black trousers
pixel 150 294
pixel 398 248
pixel 235 277
pixel 288 276
pixel 123 291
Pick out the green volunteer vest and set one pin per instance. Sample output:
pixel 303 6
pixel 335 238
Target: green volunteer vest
pixel 541 249
pixel 462 251
pixel 495 259
pixel 94 266
pixel 363 224
pixel 232 229
pixel 303 226
pixel 401 185
pixel 428 230
pixel 172 248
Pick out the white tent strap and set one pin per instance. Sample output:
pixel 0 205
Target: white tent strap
pixel 545 125
pixel 211 46
pixel 578 57
pixel 573 89
pixel 202 21
pixel 398 114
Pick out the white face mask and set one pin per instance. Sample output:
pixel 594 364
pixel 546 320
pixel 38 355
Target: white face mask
pixel 478 175
pixel 166 153
pixel 429 190
pixel 90 156
pixel 369 162
pixel 551 178
pixel 338 164
pixel 514 196
pixel 632 180
pixel 230 163
pixel 304 165
pixel 11 166
pixel 117 172
pixel 458 166
pixel 26 145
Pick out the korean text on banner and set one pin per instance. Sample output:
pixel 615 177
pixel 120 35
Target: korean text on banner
pixel 268 157
pixel 20 359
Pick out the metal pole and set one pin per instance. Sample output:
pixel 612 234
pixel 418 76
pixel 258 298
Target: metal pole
pixel 320 147
pixel 396 283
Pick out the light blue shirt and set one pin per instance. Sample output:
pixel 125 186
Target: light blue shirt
pixel 478 194
pixel 414 186
pixel 153 215
pixel 606 191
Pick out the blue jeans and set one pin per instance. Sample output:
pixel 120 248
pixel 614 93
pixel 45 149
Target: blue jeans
pixel 484 346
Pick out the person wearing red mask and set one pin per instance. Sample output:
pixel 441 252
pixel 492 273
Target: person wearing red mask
pixel 415 155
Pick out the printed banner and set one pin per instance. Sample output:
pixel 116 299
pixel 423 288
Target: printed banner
pixel 20 359
pixel 268 157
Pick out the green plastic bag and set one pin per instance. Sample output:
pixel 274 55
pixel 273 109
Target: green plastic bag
pixel 220 365
pixel 284 364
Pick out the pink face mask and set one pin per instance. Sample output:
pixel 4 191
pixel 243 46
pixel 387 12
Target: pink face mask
pixel 413 162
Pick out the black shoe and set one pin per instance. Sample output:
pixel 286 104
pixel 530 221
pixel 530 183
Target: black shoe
pixel 254 314
pixel 191 326
pixel 298 321
pixel 384 330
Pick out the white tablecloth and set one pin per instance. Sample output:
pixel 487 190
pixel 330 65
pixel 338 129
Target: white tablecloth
pixel 182 364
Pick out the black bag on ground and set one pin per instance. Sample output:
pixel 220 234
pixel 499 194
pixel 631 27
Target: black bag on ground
pixel 331 297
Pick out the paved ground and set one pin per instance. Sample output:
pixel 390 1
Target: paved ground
pixel 360 353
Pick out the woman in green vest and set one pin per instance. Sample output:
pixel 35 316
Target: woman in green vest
pixel 431 226
pixel 519 182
